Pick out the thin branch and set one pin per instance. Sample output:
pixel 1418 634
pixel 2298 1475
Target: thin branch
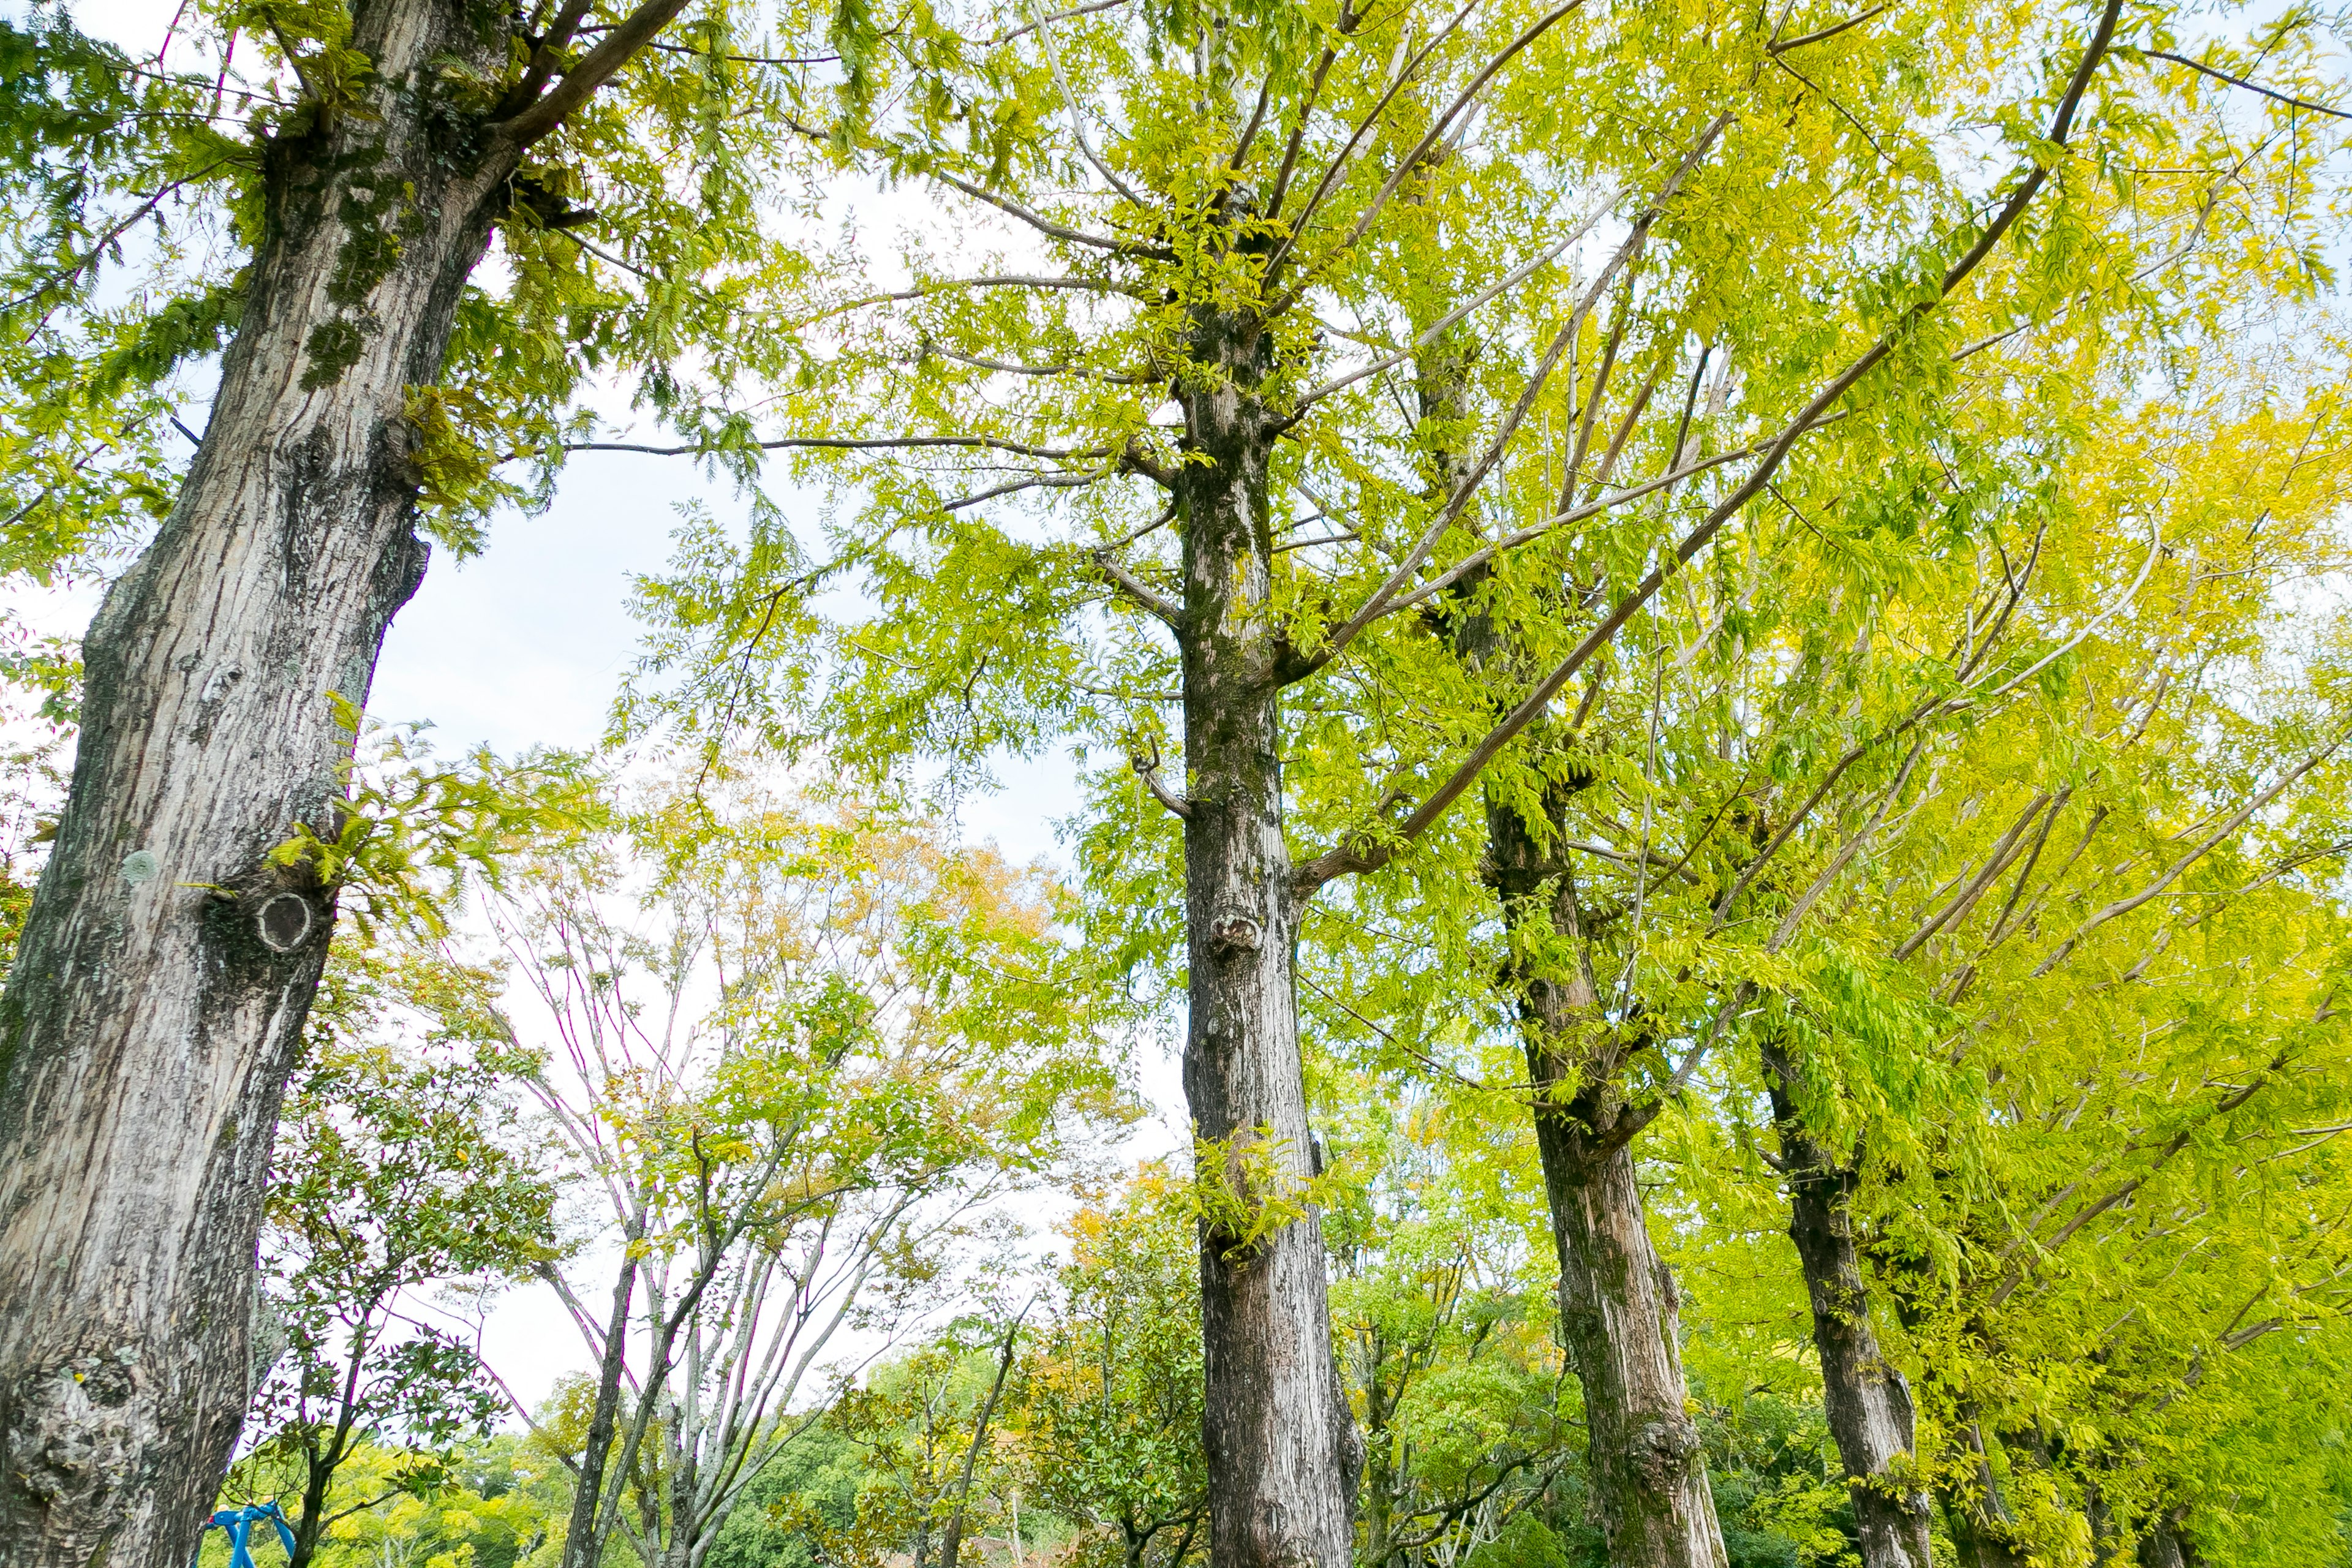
pixel 1055 17
pixel 1510 279
pixel 1347 149
pixel 1079 118
pixel 2172 873
pixel 843 444
pixel 1046 225
pixel 990 280
pixel 2203 69
pixel 1379 603
pixel 1345 857
pixel 1034 482
pixel 1412 160
pixel 1829 32
pixel 1146 768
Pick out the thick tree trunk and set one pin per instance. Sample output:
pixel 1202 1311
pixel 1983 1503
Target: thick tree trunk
pixel 1619 1321
pixel 1280 1442
pixel 159 994
pixel 1868 1398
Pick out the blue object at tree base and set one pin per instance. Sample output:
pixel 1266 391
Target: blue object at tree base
pixel 239 1523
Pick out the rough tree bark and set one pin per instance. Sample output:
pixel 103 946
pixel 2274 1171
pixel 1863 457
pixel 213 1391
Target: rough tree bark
pixel 1618 1309
pixel 1983 1532
pixel 1280 1441
pixel 1868 1398
pixel 2166 1546
pixel 161 987
pixel 582 1544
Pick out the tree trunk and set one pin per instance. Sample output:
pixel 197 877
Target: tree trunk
pixel 1868 1398
pixel 1279 1440
pixel 159 994
pixel 1618 1309
pixel 1982 1530
pixel 2164 1546
pixel 1618 1314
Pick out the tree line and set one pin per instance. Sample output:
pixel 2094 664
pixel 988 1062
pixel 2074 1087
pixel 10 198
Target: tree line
pixel 1678 626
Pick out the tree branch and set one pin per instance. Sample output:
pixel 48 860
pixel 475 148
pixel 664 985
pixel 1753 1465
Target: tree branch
pixel 1046 225
pixel 2203 69
pixel 1343 859
pixel 1146 768
pixel 595 69
pixel 1167 609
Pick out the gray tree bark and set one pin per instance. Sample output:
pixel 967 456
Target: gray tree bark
pixel 583 1543
pixel 2166 1546
pixel 1868 1400
pixel 1281 1444
pixel 1620 1322
pixel 159 992
pixel 1619 1311
pixel 1983 1531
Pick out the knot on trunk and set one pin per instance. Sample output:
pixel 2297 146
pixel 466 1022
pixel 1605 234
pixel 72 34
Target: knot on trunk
pixel 1662 1452
pixel 282 921
pixel 272 912
pixel 78 1430
pixel 1235 936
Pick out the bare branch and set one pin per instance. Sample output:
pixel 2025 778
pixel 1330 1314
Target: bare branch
pixel 2203 69
pixel 2196 852
pixel 1146 768
pixel 1167 609
pixel 1510 279
pixel 1829 32
pixel 844 443
pixel 1055 17
pixel 1046 225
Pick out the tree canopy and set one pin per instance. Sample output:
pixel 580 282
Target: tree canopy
pixel 1701 655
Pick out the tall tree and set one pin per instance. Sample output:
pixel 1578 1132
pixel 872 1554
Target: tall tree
pixel 355 174
pixel 1228 183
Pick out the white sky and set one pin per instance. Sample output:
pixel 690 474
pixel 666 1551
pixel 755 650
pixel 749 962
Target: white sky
pixel 524 645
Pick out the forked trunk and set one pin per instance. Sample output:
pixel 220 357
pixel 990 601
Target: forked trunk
pixel 1279 1439
pixel 160 990
pixel 1983 1532
pixel 1868 1399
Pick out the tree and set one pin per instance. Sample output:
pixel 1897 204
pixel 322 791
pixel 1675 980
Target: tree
pixel 355 165
pixel 1224 187
pixel 1107 1413
pixel 793 1054
pixel 1441 1296
pixel 933 1453
pixel 401 1170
